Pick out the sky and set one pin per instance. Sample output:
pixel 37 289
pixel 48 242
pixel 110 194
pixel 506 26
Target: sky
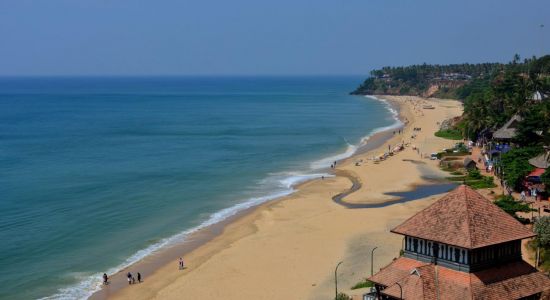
pixel 258 37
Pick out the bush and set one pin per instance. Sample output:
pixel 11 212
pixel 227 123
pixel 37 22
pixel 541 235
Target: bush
pixel 511 206
pixel 363 284
pixel 485 183
pixel 342 296
pixel 515 165
pixel 474 174
pixel 450 134
pixel 542 229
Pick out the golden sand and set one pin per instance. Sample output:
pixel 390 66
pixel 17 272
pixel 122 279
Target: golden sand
pixel 287 249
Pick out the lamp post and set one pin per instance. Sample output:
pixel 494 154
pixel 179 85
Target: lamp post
pixel 400 290
pixel 372 261
pixel 336 279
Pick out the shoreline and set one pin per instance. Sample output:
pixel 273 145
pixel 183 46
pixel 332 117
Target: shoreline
pixel 199 237
pixel 156 262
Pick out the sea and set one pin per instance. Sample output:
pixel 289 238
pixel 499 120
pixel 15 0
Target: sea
pixel 98 172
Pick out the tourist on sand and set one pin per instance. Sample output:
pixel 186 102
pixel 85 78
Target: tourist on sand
pixel 105 279
pixel 129 275
pixel 181 263
pixel 139 277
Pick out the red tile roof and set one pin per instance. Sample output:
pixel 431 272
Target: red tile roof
pixel 426 281
pixel 464 218
pixel 537 172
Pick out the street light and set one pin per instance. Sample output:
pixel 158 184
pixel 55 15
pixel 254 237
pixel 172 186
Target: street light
pixel 400 290
pixel 336 279
pixel 372 261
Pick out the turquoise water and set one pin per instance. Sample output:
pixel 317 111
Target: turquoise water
pixel 98 172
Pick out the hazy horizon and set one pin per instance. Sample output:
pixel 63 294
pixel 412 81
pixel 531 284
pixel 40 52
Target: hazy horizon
pixel 248 38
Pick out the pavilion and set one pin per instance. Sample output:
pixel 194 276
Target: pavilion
pixel 542 161
pixel 461 247
pixel 508 131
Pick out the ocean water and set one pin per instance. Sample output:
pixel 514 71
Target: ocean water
pixel 96 173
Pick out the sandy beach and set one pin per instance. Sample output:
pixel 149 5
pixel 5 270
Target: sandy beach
pixel 288 248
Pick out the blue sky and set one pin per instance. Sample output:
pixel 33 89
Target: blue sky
pixel 255 37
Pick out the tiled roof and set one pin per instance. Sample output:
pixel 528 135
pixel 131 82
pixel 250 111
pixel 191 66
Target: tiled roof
pixel 536 172
pixel 398 269
pixel 464 218
pixel 427 281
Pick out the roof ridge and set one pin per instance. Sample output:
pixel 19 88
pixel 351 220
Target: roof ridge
pixel 466 198
pixel 446 220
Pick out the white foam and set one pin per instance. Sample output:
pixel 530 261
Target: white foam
pixel 327 161
pixel 351 149
pixel 285 182
pixel 91 283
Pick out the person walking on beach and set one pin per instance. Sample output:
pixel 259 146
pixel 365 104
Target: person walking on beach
pixel 139 277
pixel 105 279
pixel 181 263
pixel 129 275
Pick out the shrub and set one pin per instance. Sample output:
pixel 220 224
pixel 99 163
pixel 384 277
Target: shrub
pixel 511 206
pixel 474 174
pixel 342 296
pixel 515 165
pixel 542 229
pixel 450 134
pixel 363 284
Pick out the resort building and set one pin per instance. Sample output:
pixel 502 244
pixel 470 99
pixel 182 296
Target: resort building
pixel 542 161
pixel 461 247
pixel 508 131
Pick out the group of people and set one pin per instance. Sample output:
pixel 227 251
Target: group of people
pixel 132 279
pixel 333 166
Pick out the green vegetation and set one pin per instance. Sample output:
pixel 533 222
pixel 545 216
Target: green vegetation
pixel 511 206
pixel 542 229
pixel 441 81
pixel 455 153
pixel 342 296
pixel 515 165
pixel 491 101
pixel 474 179
pixel 486 183
pixel 546 178
pixel 451 134
pixel 492 93
pixel 363 284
